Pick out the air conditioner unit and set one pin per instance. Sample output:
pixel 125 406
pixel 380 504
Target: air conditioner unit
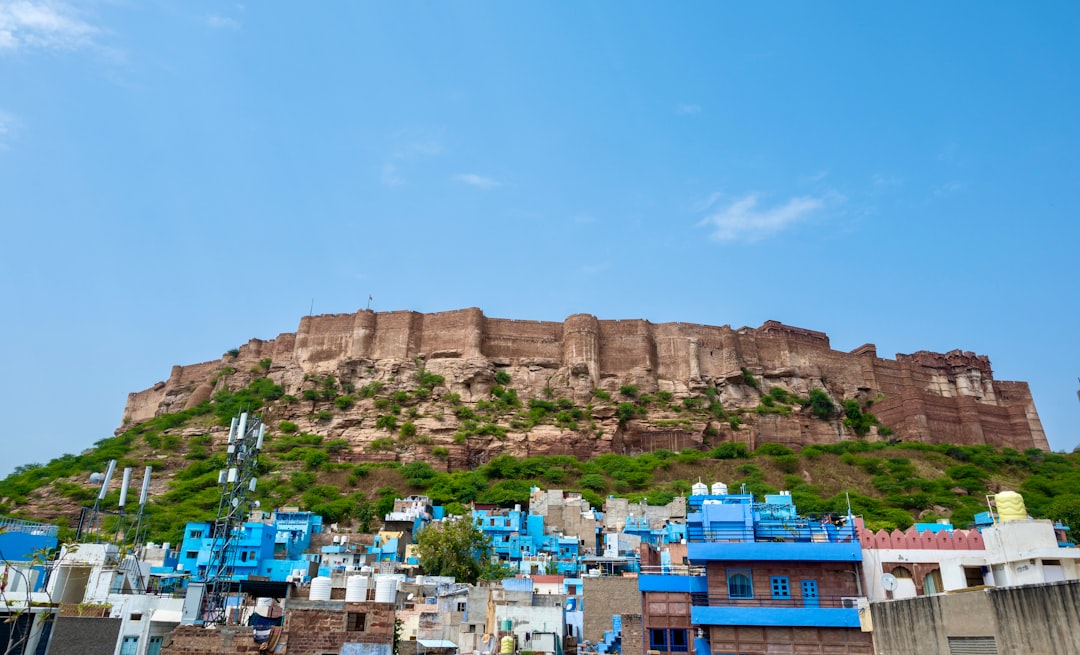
pixel 850 602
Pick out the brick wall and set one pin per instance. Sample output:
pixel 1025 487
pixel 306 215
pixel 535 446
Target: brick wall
pixel 632 635
pixel 603 598
pixel 317 627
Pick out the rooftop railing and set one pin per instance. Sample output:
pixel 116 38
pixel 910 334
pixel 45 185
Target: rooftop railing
pixel 702 599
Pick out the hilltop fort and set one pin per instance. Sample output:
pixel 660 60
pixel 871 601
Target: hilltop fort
pixel 930 397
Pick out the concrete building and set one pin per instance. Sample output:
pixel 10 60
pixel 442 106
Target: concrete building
pixel 1040 618
pixel 761 576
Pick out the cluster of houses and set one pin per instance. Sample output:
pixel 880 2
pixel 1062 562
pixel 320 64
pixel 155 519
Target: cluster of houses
pixel 715 573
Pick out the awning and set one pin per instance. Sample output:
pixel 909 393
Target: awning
pixel 166 616
pixel 436 643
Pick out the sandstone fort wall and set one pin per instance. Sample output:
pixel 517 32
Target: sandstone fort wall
pixel 925 396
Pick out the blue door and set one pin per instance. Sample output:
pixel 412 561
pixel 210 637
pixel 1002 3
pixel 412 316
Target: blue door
pixel 153 647
pixel 810 594
pixel 130 645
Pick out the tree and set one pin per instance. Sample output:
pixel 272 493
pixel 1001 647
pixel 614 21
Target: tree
pixel 454 548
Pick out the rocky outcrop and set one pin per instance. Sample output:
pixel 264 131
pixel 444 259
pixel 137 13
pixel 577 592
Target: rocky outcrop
pixel 932 397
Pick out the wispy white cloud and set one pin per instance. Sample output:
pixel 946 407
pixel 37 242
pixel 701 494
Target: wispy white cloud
pixel 43 24
pixel 219 22
pixel 687 109
pixel 885 181
pixel 409 145
pixel 479 181
pixel 389 176
pixel 744 220
pixel 948 189
pixel 816 177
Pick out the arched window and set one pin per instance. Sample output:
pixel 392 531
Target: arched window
pixel 739 585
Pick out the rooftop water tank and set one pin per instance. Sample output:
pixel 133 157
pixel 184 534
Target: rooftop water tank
pixel 320 589
pixel 356 588
pixel 1010 506
pixel 385 589
pixel 719 489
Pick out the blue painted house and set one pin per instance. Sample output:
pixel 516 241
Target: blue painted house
pixel 273 550
pixel 760 574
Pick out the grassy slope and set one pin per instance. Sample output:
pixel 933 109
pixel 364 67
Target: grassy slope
pixel 891 485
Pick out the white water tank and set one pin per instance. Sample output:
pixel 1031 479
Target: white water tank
pixel 320 588
pixel 719 489
pixel 699 489
pixel 385 589
pixel 356 588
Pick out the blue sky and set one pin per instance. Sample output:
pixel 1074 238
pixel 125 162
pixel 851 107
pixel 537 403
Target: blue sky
pixel 177 177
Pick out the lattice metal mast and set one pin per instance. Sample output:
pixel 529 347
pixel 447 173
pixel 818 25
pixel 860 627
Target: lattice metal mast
pixel 237 482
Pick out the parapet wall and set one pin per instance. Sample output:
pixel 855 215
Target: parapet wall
pixel 950 397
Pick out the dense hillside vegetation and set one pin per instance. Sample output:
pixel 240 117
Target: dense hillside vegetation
pixel 890 484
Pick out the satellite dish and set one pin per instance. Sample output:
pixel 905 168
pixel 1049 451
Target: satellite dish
pixel 889 581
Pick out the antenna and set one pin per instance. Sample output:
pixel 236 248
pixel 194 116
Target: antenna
pixel 238 484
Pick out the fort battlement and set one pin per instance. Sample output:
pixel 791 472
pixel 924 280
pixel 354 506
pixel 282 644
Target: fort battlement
pixel 925 396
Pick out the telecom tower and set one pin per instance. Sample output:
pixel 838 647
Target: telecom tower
pixel 237 482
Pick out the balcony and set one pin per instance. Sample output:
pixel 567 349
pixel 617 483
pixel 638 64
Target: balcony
pixel 823 611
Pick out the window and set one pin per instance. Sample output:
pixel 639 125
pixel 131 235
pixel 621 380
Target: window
pixel 780 588
pixel 196 534
pixel 136 616
pixel 461 607
pixel 658 640
pixel 355 621
pixel 739 584
pixel 932 583
pixel 191 554
pixel 679 643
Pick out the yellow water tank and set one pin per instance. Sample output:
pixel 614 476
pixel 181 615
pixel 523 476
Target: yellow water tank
pixel 506 645
pixel 1010 506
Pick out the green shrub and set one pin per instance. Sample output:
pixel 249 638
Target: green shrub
pixel 442 452
pixel 408 430
pixel 730 450
pixel 773 449
pixel 324 415
pixel 371 389
pixel 386 422
pixel 502 378
pixel 385 443
pixel 601 394
pixel 749 379
pixel 629 391
pixel 345 402
pixel 288 427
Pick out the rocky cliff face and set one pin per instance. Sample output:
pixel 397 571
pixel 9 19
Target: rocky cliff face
pixel 925 396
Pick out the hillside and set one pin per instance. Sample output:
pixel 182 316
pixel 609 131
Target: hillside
pixel 891 484
pixel 462 407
